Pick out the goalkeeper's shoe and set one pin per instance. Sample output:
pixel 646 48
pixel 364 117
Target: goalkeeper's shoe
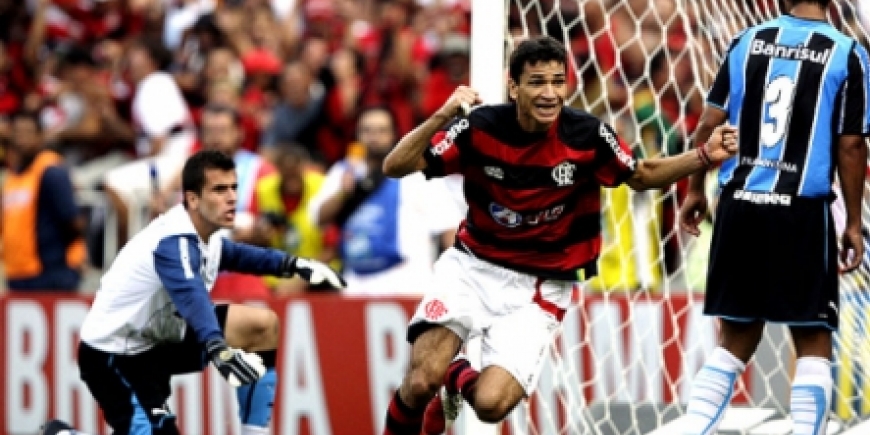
pixel 441 412
pixel 56 427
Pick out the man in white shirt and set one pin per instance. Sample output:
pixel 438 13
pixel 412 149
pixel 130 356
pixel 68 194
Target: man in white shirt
pixel 164 129
pixel 152 317
pixel 389 227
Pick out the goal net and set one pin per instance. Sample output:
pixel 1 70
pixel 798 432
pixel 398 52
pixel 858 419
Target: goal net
pixel 627 354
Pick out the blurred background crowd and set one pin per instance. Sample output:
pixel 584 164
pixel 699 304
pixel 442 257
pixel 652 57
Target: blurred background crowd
pixel 101 101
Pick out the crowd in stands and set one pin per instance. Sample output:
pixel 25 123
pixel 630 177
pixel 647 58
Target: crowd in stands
pixel 307 95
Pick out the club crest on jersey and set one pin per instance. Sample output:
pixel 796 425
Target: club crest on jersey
pixel 504 215
pixel 563 173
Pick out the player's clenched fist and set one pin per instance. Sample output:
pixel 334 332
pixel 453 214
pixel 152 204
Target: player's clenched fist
pixel 460 102
pixel 722 143
pixel 235 365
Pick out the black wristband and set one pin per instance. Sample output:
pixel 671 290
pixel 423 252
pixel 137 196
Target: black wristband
pixel 214 346
pixel 288 267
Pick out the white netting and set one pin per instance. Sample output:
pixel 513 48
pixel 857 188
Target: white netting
pixel 627 356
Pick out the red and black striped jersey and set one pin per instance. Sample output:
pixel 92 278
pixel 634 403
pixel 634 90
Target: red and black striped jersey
pixel 534 200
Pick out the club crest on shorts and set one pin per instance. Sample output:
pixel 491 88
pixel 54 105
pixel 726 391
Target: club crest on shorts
pixel 563 173
pixel 435 309
pixel 504 215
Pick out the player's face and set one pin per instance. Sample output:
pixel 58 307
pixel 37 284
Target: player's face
pixel 216 204
pixel 540 94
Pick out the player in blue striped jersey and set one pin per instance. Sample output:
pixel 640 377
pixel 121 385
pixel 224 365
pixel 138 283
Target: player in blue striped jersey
pixel 797 89
pixel 152 317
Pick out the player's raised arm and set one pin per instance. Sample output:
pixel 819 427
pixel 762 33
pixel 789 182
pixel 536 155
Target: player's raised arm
pixel 407 156
pixel 662 172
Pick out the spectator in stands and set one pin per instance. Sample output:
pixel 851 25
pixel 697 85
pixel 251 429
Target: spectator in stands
pixel 342 103
pixel 390 228
pixel 164 128
pixel 42 230
pixel 281 207
pixel 296 117
pixel 85 125
pixel 448 69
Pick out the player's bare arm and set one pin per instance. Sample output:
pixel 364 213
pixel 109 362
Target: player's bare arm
pixel 851 158
pixel 407 157
pixel 694 206
pixel 661 172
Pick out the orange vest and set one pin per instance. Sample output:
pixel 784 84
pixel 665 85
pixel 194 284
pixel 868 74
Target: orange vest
pixel 20 202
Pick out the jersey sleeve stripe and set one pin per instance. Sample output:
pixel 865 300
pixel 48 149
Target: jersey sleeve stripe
pixel 184 256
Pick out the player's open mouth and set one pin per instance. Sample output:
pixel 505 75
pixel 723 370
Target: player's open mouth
pixel 230 214
pixel 546 110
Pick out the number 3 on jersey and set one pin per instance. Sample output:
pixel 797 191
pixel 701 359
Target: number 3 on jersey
pixel 777 104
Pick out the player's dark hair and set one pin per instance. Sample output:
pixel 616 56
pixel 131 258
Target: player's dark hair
pixel 193 174
pixel 823 3
pixel 533 50
pixel 28 115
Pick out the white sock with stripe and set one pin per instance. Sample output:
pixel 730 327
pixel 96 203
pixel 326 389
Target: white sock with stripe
pixel 254 430
pixel 811 395
pixel 711 392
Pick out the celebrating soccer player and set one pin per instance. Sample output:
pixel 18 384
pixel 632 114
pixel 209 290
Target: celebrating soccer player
pixel 796 88
pixel 533 170
pixel 152 317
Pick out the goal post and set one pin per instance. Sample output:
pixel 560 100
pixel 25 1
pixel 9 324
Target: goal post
pixel 633 342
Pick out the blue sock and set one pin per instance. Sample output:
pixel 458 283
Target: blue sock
pixel 256 400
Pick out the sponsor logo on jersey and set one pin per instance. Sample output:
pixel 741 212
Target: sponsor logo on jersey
pixel 767 163
pixel 450 136
pixel 494 172
pixel 563 173
pixel 623 157
pixel 763 197
pixel 512 219
pixel 799 52
pixel 505 216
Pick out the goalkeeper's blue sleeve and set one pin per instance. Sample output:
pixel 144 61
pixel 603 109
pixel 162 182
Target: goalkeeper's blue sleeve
pixel 239 257
pixel 177 263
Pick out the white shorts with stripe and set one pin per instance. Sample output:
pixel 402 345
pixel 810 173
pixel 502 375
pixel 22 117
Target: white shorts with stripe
pixel 517 315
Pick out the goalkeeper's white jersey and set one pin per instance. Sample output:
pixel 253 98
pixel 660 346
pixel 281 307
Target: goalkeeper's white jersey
pixel 132 309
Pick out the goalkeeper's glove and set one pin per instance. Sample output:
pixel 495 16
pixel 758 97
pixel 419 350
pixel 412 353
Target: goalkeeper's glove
pixel 312 271
pixel 235 365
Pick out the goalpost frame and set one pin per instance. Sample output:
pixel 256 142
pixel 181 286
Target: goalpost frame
pixel 488 32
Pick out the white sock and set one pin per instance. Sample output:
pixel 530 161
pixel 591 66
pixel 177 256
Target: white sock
pixel 254 430
pixel 711 392
pixel 811 395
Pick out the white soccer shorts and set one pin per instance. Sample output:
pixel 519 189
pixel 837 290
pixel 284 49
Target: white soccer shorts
pixel 517 315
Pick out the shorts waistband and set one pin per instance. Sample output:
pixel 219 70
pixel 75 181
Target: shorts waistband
pixel 580 274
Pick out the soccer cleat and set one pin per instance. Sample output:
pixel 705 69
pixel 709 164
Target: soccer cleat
pixel 441 412
pixel 56 427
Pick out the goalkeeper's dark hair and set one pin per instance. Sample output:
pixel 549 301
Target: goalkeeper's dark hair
pixel 533 50
pixel 193 174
